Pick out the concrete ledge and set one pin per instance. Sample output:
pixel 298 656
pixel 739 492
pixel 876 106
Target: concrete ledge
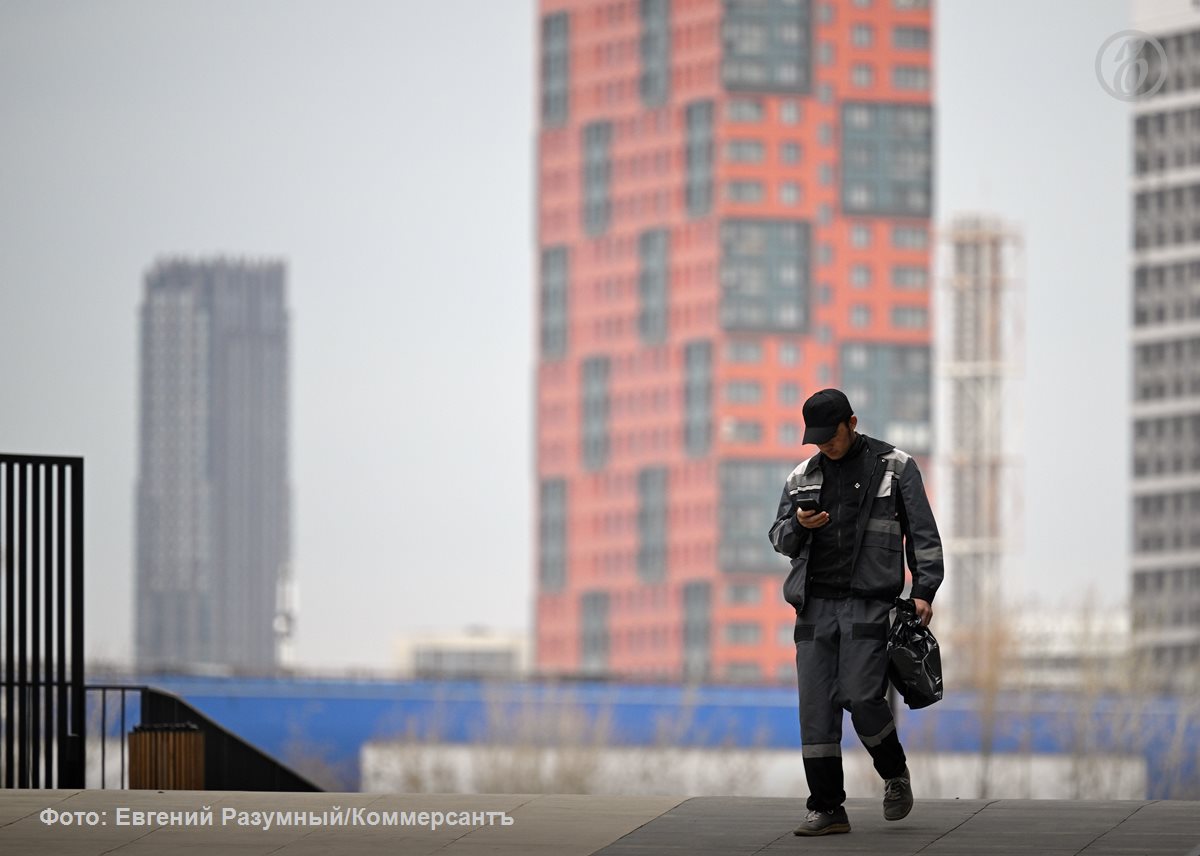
pixel 571 825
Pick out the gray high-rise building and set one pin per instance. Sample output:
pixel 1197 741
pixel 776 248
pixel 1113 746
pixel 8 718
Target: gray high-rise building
pixel 1166 346
pixel 213 506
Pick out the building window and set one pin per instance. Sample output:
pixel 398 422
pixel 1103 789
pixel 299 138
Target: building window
pixel 767 46
pixel 910 278
pixel 789 152
pixel 862 75
pixel 745 151
pixel 697 398
pixel 743 431
pixel 697 630
pixel 789 394
pixel 743 392
pixel 789 434
pixel 597 176
pixel 910 38
pixel 860 276
pixel 857 116
pixel 860 316
pixel 656 52
pixel 749 491
pixel 652 525
pixel 552 535
pixel 886 159
pixel 893 389
pixel 595 412
pixel 652 285
pixel 744 191
pixel 825 174
pixel 859 197
pixel 862 35
pixel 743 352
pixel 860 236
pixel 911 77
pixel 789 193
pixel 593 631
pixel 743 672
pixel 764 274
pixel 909 317
pixel 745 110
pixel 789 354
pixel 743 593
pixel 909 238
pixel 789 112
pixel 556 56
pixel 860 396
pixel 742 633
pixel 698 187
pixel 825 53
pixel 554 302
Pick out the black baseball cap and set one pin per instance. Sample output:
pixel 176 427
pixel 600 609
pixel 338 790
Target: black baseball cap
pixel 823 413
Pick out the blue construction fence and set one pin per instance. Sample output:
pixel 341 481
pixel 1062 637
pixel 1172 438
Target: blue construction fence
pixel 308 721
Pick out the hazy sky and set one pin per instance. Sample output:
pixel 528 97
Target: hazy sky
pixel 385 150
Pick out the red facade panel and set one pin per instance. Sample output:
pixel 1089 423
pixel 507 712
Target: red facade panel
pixel 644 627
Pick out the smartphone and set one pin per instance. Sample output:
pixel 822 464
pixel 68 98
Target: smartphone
pixel 808 503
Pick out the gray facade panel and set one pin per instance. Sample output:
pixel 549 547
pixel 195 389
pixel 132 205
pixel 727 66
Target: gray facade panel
pixel 552 535
pixel 594 640
pixel 768 46
pixel 652 525
pixel 749 499
pixel 697 631
pixel 887 159
pixel 555 291
pixel 890 388
pixel 700 149
pixel 697 398
pixel 654 83
pixel 556 70
pixel 653 285
pixel 766 275
pixel 597 177
pixel 595 440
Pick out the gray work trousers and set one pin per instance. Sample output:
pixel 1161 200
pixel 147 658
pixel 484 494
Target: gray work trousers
pixel 841 664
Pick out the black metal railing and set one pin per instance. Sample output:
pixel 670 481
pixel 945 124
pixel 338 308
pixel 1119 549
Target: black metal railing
pixel 41 621
pixel 230 763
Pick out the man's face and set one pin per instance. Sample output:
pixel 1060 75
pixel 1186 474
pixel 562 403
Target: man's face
pixel 839 443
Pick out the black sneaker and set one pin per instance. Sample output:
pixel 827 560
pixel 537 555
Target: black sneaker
pixel 824 822
pixel 897 797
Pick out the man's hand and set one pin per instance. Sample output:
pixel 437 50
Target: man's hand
pixel 812 519
pixel 924 611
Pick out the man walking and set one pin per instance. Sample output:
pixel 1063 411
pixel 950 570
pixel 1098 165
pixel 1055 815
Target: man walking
pixel 847 517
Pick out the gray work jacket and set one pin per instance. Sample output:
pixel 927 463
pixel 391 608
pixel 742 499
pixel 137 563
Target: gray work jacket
pixel 896 520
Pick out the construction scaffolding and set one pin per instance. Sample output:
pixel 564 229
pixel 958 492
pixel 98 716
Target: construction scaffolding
pixel 978 362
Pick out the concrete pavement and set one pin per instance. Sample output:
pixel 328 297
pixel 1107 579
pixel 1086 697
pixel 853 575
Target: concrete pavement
pixel 83 823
